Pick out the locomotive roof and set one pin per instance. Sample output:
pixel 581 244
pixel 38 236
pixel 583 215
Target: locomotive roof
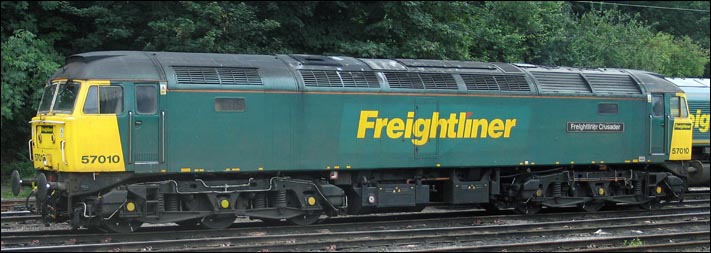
pixel 690 82
pixel 697 89
pixel 315 72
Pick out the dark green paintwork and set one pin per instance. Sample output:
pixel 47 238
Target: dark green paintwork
pixel 313 131
pixel 291 126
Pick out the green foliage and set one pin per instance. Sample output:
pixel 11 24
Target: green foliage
pixel 429 30
pixel 634 243
pixel 665 54
pixel 224 27
pixel 7 192
pixel 678 18
pixel 23 167
pixel 26 171
pixel 435 30
pixel 603 39
pixel 518 31
pixel 613 39
pixel 27 63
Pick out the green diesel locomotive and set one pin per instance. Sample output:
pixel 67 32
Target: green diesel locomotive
pixel 125 137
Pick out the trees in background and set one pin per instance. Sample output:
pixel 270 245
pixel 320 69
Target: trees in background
pixel 27 62
pixel 37 35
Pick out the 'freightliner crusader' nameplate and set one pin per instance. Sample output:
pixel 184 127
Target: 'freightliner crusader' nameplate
pixel 595 127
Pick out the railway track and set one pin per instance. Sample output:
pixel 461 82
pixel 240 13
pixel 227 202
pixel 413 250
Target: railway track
pixel 15 205
pixel 657 242
pixel 19 216
pixel 162 237
pixel 27 217
pixel 15 210
pixel 367 235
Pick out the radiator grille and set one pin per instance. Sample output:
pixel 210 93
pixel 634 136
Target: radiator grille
pixel 613 84
pixel 496 82
pixel 217 75
pixel 405 80
pixel 332 78
pixel 561 82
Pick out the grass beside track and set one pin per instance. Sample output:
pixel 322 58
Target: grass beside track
pixel 7 192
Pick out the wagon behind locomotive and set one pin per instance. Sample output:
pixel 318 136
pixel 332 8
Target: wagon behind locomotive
pixel 697 90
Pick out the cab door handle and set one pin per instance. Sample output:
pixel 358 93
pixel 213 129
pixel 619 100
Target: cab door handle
pixel 139 123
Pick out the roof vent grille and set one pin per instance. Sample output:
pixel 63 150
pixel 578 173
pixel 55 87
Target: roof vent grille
pixel 495 82
pixel 217 75
pixel 561 82
pixel 408 80
pixel 332 78
pixel 613 84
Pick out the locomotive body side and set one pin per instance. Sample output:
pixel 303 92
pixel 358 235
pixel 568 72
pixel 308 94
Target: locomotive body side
pixel 363 131
pixel 200 138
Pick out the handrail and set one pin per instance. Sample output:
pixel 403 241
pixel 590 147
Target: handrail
pixel 651 128
pixel 47 121
pixel 61 146
pixel 130 137
pixel 29 148
pixel 162 137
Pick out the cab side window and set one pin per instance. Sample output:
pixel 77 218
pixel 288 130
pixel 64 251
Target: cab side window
pixel 657 106
pixel 146 102
pixel 684 110
pixel 674 106
pixel 104 100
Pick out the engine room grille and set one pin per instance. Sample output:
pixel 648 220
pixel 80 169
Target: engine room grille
pixel 332 78
pixel 217 75
pixel 613 84
pixel 406 80
pixel 694 106
pixel 495 82
pixel 561 82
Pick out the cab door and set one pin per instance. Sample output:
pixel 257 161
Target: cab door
pixel 670 127
pixel 658 126
pixel 679 128
pixel 145 123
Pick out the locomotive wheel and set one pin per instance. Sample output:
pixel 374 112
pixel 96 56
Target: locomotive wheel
pixel 591 206
pixel 527 208
pixel 217 221
pixel 118 225
pixel 306 219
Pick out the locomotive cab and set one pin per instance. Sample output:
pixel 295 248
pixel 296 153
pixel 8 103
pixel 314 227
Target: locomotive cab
pixel 74 136
pixel 670 127
pixel 76 129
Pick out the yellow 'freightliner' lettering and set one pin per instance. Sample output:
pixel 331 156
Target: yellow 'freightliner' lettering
pixel 700 121
pixel 422 129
